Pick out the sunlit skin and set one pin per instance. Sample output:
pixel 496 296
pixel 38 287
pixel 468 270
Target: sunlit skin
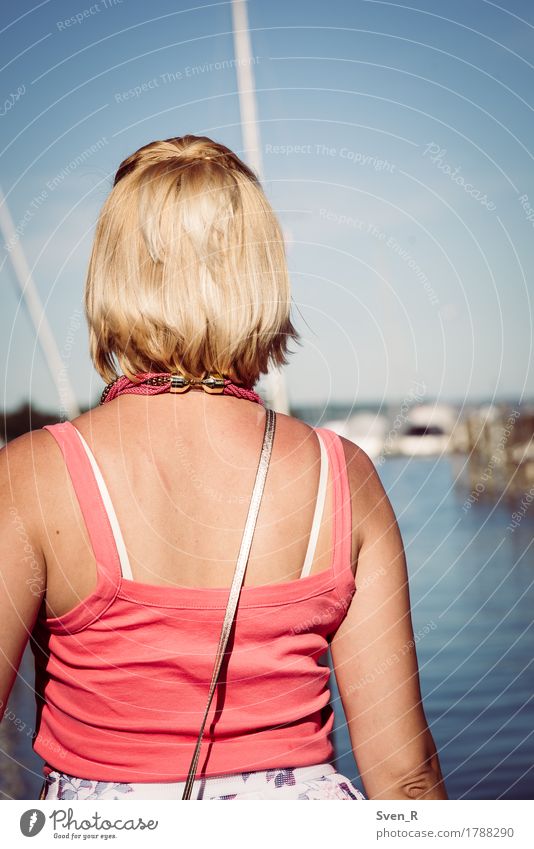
pixel 184 530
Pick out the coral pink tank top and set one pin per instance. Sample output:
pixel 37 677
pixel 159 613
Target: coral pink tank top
pixel 122 679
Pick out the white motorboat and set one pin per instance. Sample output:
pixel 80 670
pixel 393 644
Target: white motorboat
pixel 426 431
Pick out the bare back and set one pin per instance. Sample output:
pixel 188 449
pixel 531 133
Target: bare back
pixel 180 473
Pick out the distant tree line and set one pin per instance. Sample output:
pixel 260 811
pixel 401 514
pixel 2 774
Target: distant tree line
pixel 26 418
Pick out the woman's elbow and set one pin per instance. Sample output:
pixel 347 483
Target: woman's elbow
pixel 429 784
pixel 423 782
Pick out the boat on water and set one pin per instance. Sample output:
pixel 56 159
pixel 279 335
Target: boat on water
pixel 424 430
pixel 427 431
pixel 365 429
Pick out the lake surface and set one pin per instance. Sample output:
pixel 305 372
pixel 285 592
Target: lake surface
pixel 475 580
pixel 470 576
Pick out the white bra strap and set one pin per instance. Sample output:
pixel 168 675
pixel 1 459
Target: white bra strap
pixel 318 514
pixel 119 541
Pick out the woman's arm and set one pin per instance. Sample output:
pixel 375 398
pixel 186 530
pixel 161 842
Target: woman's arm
pixel 22 564
pixel 373 653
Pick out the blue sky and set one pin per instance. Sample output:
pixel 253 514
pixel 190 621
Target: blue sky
pixel 397 149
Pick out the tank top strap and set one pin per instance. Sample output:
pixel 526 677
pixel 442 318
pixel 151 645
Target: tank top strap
pixel 319 509
pixel 90 498
pixel 342 511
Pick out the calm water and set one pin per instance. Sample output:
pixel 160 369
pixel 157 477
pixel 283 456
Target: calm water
pixel 474 580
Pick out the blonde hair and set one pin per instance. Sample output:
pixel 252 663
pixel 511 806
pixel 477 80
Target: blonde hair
pixel 188 270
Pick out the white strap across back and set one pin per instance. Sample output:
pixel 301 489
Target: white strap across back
pixel 318 514
pixel 119 540
pixel 108 504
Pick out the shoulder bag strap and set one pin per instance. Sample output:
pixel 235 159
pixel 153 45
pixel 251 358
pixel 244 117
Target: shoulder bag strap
pixel 235 589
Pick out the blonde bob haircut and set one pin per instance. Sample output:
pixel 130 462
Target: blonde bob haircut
pixel 188 270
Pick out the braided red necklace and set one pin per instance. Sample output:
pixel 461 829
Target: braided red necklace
pixel 156 383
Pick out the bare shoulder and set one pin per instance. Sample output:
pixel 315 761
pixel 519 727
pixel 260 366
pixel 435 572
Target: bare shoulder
pixel 31 470
pixel 358 461
pixel 365 484
pixel 291 423
pixel 293 434
pixel 370 503
pixel 22 563
pixel 361 469
pixel 370 506
pixel 24 457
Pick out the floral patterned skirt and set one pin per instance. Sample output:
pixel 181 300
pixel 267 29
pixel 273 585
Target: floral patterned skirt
pixel 320 781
